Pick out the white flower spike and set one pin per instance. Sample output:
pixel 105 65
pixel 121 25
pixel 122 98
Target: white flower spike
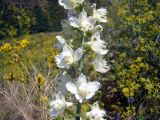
pixel 100 65
pixel 83 89
pixel 70 4
pixel 97 45
pixel 96 113
pixel 99 14
pixel 58 105
pixel 67 57
pixel 84 23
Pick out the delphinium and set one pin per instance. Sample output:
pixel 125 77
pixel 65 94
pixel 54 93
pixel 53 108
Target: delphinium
pixel 81 38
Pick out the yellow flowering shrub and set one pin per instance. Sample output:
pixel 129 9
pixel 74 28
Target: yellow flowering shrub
pixel 129 77
pixel 7 47
pixel 27 71
pixel 133 35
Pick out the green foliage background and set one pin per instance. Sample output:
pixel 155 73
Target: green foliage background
pixel 17 20
pixel 133 35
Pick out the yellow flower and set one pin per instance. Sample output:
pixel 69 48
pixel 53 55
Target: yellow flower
pixel 40 79
pixel 43 99
pixel 21 77
pixel 126 91
pixel 9 76
pixel 6 47
pixel 139 59
pixel 23 43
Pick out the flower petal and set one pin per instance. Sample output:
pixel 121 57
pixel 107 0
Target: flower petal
pixel 90 95
pixel 97 45
pixel 81 79
pixel 100 65
pixel 79 98
pixel 71 87
pixel 99 14
pixel 96 113
pixel 78 54
pixel 69 104
pixel 83 16
pixel 95 105
pixel 97 28
pixel 88 114
pixel 94 86
pixel 60 39
pixel 80 1
pixel 67 50
pixel 74 22
pixel 65 4
pixel 59 61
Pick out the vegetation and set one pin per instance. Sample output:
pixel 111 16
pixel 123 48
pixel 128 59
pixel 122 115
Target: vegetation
pixel 28 71
pixel 19 19
pixel 134 40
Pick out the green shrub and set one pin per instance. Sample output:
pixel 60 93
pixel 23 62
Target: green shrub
pixel 41 20
pixel 15 21
pixel 133 32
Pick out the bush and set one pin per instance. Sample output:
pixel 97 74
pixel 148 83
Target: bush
pixel 133 32
pixel 15 21
pixel 41 20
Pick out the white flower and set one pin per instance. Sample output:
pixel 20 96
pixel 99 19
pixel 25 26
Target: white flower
pixel 97 28
pixel 83 22
pixel 97 45
pixel 100 65
pixel 99 14
pixel 96 113
pixel 61 42
pixel 58 105
pixel 67 57
pixel 70 4
pixel 83 89
pixel 61 39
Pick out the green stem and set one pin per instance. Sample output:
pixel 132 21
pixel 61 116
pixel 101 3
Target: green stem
pixel 80 69
pixel 20 26
pixel 78 111
pixel 62 117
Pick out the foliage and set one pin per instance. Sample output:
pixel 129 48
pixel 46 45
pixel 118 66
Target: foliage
pixel 131 88
pixel 133 33
pixel 27 66
pixel 14 21
pixel 17 21
pixel 46 17
pixel 41 20
pixel 54 21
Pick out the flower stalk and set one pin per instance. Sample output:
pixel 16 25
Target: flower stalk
pixel 82 88
pixel 78 112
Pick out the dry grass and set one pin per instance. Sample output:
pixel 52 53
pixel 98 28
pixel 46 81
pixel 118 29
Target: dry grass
pixel 23 100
